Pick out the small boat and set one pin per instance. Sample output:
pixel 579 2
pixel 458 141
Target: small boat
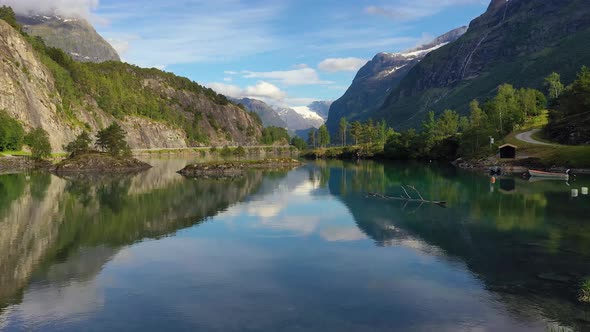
pixel 549 175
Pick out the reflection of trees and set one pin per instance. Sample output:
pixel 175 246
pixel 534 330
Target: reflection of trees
pixel 50 221
pixel 520 244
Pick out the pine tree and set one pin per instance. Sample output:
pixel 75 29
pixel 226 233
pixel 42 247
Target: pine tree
pixel 112 140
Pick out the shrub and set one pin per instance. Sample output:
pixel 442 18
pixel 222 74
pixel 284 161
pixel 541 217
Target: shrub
pixel 38 141
pixel 11 133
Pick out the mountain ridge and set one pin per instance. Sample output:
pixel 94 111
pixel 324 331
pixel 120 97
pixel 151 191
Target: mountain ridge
pixel 75 36
pixel 378 77
pixel 43 87
pixel 518 42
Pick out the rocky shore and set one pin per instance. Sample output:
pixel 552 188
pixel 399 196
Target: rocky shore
pixel 100 163
pixel 226 169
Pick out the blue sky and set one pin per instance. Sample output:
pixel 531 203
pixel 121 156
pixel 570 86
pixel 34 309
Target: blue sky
pixel 287 52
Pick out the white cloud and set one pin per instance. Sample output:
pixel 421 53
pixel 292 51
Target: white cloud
pixel 264 91
pixel 68 8
pixel 406 11
pixel 302 76
pixel 341 64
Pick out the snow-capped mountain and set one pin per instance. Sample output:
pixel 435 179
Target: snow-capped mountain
pixel 378 77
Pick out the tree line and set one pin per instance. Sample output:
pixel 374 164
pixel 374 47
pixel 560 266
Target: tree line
pixel 569 118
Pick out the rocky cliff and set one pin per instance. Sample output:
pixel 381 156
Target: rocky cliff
pixel 73 35
pixel 517 41
pixel 378 78
pixel 164 111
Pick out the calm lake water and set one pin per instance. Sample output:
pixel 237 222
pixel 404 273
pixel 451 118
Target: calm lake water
pixel 304 250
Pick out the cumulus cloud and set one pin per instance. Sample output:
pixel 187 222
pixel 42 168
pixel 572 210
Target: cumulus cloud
pixel 341 64
pixel 68 8
pixel 301 76
pixel 262 90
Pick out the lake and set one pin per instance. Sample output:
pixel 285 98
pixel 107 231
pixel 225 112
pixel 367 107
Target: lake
pixel 304 250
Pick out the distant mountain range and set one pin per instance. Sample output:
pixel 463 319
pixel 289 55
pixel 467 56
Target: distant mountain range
pixel 268 115
pixel 294 119
pixel 378 78
pixel 518 42
pixel 75 36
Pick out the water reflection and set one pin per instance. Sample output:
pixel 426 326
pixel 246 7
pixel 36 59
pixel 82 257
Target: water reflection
pixel 62 229
pixel 303 250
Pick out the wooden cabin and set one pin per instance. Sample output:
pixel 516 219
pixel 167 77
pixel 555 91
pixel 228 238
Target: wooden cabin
pixel 508 151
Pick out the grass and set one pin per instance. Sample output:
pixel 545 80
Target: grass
pixel 550 155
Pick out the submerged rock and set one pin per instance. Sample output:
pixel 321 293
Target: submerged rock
pixel 100 163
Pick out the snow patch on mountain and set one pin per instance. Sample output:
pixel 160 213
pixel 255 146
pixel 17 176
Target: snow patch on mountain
pixel 307 113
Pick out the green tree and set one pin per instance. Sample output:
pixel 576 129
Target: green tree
pixel 312 137
pixel 342 130
pixel 112 140
pixel 323 136
pixel 447 124
pixel 299 143
pixel 38 140
pixel 356 131
pixel 369 132
pixel 80 145
pixel 272 135
pixel 553 85
pixel 240 152
pixel 11 133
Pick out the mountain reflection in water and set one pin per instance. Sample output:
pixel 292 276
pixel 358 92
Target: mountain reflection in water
pixel 300 250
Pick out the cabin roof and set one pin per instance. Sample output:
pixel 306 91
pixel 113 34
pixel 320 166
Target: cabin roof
pixel 507 145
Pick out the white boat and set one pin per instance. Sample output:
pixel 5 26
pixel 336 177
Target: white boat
pixel 549 175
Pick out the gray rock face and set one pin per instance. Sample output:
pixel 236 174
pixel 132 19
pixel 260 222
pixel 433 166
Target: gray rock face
pixel 517 41
pixel 74 36
pixel 267 114
pixel 28 94
pixel 378 78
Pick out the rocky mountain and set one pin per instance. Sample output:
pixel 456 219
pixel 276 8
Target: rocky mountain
pixel 73 35
pixel 268 115
pixel 45 88
pixel 378 78
pixel 518 42
pixel 294 119
pixel 299 119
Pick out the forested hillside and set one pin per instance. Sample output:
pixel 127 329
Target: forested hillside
pixel 44 87
pixel 518 42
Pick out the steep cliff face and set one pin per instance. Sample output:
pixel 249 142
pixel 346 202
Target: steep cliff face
pixel 73 35
pixel 30 93
pixel 378 78
pixel 516 41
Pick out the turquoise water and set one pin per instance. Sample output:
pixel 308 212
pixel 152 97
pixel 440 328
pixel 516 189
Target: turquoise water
pixel 304 250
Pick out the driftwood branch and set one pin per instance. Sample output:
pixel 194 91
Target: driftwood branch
pixel 409 198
